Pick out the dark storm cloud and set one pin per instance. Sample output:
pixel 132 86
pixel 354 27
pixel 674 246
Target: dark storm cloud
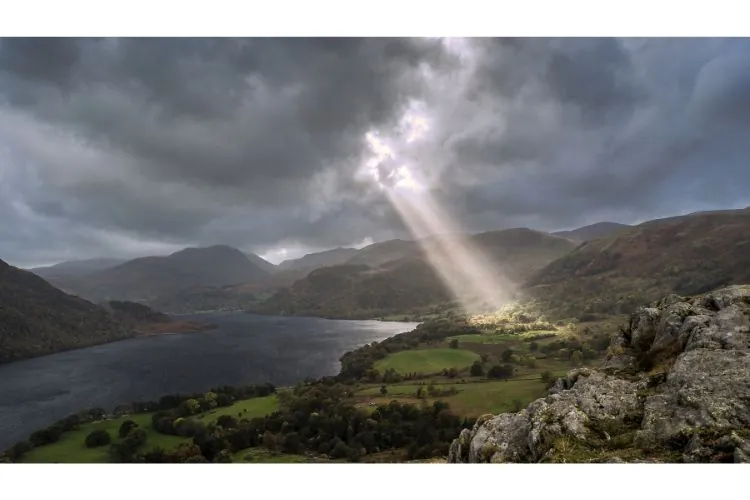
pixel 131 146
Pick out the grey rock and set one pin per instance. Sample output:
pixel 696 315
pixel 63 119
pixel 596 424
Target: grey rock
pixel 693 401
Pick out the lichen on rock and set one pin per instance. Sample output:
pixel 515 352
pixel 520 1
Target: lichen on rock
pixel 695 409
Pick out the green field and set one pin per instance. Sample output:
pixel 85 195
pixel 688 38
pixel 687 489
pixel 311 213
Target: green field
pixel 499 338
pixel 249 409
pixel 71 448
pixel 426 360
pixel 473 399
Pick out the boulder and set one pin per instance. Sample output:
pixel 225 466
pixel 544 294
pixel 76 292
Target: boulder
pixel 675 387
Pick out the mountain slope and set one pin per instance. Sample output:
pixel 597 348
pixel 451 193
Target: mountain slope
pixel 37 318
pixel 380 253
pixel 73 268
pixel 592 232
pixel 261 263
pixel 687 255
pixel 148 278
pixel 408 282
pixel 319 259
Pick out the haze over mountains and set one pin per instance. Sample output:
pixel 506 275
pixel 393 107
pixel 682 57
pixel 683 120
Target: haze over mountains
pixel 183 279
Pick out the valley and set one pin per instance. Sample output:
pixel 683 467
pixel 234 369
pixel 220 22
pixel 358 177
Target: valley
pixel 575 296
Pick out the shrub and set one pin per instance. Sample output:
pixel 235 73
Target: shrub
pixel 126 427
pixel 500 372
pixel 477 370
pixel 98 438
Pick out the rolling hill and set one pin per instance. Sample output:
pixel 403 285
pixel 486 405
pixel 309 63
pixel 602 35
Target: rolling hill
pixel 408 282
pixel 148 278
pixel 319 259
pixel 386 251
pixel 592 232
pixel 685 255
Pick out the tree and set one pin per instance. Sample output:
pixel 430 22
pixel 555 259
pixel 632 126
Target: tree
pixel 188 407
pixel 269 440
pixel 453 344
pixel 135 438
pixel 533 347
pixel 477 370
pixel 500 372
pixel 383 390
pixel 341 450
pixel 227 422
pixel 126 427
pixel 507 355
pixel 546 376
pixel 98 438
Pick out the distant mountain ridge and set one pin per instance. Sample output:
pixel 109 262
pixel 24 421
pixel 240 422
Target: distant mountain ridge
pixel 592 232
pixel 74 268
pixel 315 260
pixel 148 278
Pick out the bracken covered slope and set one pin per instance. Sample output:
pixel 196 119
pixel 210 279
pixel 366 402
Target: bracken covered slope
pixel 686 255
pixel 674 388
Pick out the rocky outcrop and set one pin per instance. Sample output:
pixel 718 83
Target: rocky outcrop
pixel 675 387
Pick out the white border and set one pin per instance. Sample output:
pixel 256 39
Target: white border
pixel 374 18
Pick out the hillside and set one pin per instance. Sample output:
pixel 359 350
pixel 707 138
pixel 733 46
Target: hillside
pixel 687 255
pixel 672 389
pixel 148 278
pixel 37 318
pixel 408 283
pixel 592 232
pixel 73 268
pixel 319 259
pixel 261 263
pixel 386 251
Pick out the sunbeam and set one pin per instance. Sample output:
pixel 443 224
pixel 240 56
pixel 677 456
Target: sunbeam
pixel 475 282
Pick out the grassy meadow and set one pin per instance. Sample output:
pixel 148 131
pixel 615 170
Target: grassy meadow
pixel 427 360
pixel 71 447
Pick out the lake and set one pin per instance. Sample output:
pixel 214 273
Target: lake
pixel 244 349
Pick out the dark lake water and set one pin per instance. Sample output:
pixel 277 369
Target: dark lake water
pixel 245 349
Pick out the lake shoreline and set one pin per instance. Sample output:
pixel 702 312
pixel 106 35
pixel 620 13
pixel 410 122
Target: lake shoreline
pixel 241 350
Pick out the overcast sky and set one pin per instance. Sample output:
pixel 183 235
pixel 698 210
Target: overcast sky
pixel 134 147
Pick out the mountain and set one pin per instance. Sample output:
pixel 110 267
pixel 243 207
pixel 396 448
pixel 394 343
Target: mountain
pixel 148 278
pixel 380 253
pixel 36 318
pixel 357 291
pixel 319 259
pixel 688 254
pixel 261 263
pixel 74 268
pixel 592 232
pixel 408 282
